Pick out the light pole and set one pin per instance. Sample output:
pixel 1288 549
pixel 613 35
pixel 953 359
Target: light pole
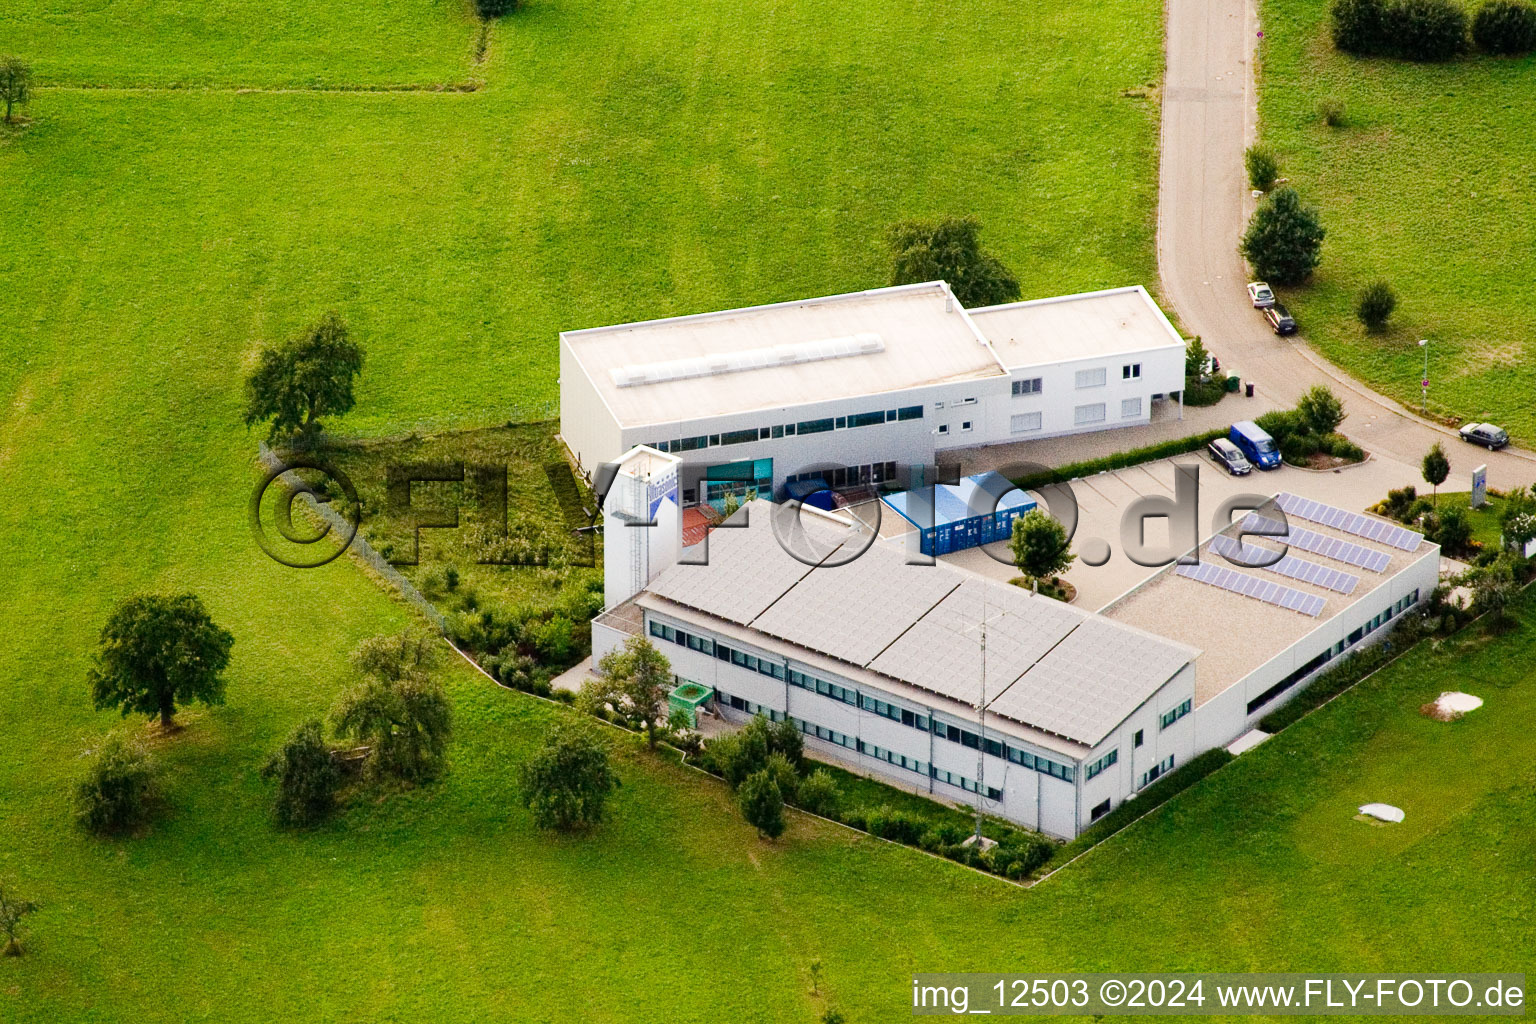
pixel 1424 381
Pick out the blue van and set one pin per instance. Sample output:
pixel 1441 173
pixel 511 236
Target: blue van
pixel 1252 440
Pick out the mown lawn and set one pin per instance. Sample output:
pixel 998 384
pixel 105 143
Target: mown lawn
pixel 622 161
pixel 1428 185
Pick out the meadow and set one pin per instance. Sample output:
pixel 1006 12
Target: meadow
pixel 1426 184
pixel 621 161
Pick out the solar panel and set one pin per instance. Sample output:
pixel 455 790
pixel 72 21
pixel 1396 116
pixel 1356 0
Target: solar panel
pixel 1254 557
pixel 1349 522
pixel 1254 587
pixel 1320 544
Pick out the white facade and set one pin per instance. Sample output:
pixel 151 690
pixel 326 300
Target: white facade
pixel 921 376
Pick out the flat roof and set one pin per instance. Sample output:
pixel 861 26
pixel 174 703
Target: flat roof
pixel 1239 633
pixel 1057 330
pixel 788 353
pixel 1052 668
pixel 982 494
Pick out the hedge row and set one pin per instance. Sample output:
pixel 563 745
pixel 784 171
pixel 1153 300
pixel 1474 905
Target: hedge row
pixel 1120 460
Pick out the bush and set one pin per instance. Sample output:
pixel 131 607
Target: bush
pixel 1331 110
pixel 1359 26
pixel 489 9
pixel 819 794
pixel 1320 410
pixel 762 804
pixel 1298 448
pixel 1505 27
pixel 1263 167
pixel 1120 460
pixel 1427 29
pixel 784 776
pixel 1341 447
pixel 566 784
pixel 1375 306
pixel 1451 529
pixel 897 826
pixel 119 790
pixel 307 778
pixel 1398 503
pixel 1284 239
pixel 1280 424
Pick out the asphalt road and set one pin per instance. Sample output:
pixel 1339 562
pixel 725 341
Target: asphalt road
pixel 1209 114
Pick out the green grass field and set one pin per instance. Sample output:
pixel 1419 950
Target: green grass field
pixel 623 161
pixel 1427 184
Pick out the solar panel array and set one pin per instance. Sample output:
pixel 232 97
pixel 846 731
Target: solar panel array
pixel 1254 557
pixel 1319 544
pixel 1350 522
pixel 1254 587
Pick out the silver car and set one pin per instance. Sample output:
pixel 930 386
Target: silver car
pixel 1485 434
pixel 1229 457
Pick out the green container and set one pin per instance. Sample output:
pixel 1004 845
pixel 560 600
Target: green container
pixel 688 697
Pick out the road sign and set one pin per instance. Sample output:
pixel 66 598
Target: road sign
pixel 1480 487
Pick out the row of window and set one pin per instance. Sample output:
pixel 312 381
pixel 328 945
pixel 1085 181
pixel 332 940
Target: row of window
pixel 849 476
pixel 1104 762
pixel 1174 714
pixel 852 743
pixel 1156 771
pixel 848 695
pixel 1399 606
pixel 1082 415
pixel 817 426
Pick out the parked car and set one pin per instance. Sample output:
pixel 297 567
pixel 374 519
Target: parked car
pixel 1229 457
pixel 1261 294
pixel 1256 444
pixel 1486 434
pixel 1280 319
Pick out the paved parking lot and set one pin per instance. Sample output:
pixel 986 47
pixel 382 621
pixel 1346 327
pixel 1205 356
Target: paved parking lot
pixel 1104 502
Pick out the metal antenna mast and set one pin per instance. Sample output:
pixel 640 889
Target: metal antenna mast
pixel 981 711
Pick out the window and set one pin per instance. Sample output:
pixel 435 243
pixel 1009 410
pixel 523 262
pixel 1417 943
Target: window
pixel 1141 735
pixel 813 426
pixel 866 419
pixel 910 412
pixel 1095 378
pixel 1131 372
pixel 1024 422
pixel 1099 811
pixel 842 421
pixel 965 428
pixel 1174 714
pixel 778 431
pixel 943 428
pixel 1290 680
pixel 1102 763
pixel 1130 408
pixel 738 436
pixel 1085 414
pixel 1160 769
pixel 1028 386
pixel 965 401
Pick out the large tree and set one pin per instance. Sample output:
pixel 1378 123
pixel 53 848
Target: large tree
pixel 1284 240
pixel 296 383
pixel 158 653
pixel 1041 548
pixel 1320 410
pixel 15 83
pixel 633 680
pixel 399 710
pixel 567 783
pixel 950 250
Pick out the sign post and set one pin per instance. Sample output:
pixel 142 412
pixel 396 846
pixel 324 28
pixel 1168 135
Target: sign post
pixel 1480 487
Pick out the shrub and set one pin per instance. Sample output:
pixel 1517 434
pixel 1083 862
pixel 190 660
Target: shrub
pixel 1503 27
pixel 1359 26
pixel 1320 410
pixel 897 826
pixel 551 640
pixel 784 776
pixel 1452 530
pixel 489 9
pixel 1298 448
pixel 566 784
pixel 1331 110
pixel 1263 167
pixel 1341 447
pixel 1280 424
pixel 1427 29
pixel 307 778
pixel 119 789
pixel 1284 240
pixel 762 804
pixel 1398 503
pixel 819 794
pixel 1375 305
pixel 1018 855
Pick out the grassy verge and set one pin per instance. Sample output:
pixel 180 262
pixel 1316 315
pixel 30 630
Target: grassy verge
pixel 1120 460
pixel 1425 185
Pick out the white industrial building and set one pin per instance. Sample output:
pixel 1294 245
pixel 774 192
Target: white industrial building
pixel 853 388
pixel 879 661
